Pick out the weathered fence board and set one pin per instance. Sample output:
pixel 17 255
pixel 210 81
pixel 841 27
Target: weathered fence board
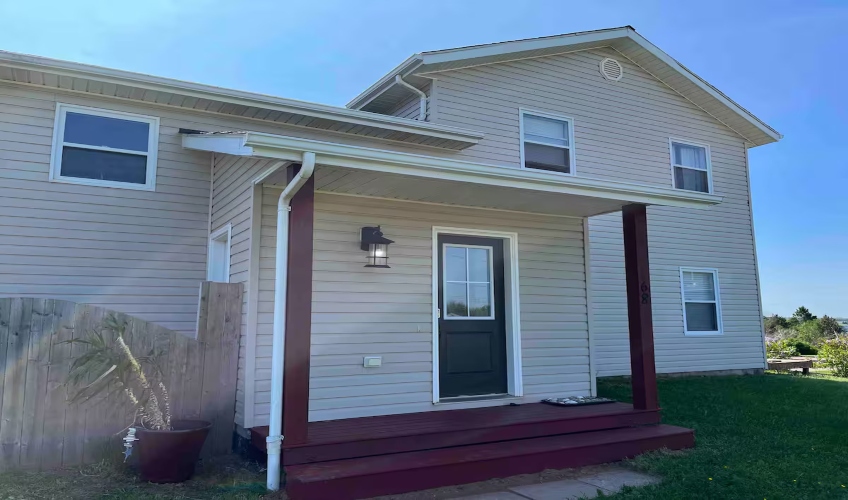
pixel 40 429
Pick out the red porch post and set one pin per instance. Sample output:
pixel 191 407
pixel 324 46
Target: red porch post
pixel 638 275
pixel 298 313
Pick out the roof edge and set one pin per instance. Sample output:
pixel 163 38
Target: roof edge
pixel 78 70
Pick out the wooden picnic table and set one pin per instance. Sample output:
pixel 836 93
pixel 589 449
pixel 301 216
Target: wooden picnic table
pixel 791 363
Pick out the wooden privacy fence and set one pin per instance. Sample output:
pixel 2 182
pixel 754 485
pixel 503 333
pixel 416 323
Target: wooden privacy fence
pixel 40 429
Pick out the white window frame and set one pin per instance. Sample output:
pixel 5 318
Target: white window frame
pixel 59 143
pixel 491 283
pixel 683 301
pixel 688 142
pixel 215 238
pixel 572 168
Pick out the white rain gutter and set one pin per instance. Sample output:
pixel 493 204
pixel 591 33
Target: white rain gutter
pixel 274 440
pixel 422 98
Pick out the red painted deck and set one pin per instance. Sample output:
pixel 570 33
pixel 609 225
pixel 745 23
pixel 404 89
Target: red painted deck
pixel 368 436
pixel 363 457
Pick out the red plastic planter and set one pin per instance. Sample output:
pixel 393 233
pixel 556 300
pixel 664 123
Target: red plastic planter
pixel 170 456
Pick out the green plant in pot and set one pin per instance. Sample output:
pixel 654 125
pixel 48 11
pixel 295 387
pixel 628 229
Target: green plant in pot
pixel 168 448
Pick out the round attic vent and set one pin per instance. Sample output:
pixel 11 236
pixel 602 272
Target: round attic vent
pixel 611 69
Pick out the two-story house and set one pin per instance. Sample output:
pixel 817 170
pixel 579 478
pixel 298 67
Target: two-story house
pixel 482 228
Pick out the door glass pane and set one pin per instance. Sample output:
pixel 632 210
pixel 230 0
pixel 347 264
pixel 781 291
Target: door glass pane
pixel 701 317
pixel 455 266
pixel 106 131
pixel 478 264
pixel 479 299
pixel 456 305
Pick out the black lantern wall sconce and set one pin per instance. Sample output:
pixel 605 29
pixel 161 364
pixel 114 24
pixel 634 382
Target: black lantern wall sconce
pixel 377 246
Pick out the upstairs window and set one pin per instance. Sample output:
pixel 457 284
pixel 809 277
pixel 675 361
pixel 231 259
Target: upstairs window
pixel 104 148
pixel 701 304
pixel 690 164
pixel 547 142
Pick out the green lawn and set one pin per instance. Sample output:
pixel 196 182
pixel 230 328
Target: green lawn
pixel 757 437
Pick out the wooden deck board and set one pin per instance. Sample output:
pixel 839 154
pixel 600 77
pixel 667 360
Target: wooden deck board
pixel 369 436
pixel 397 473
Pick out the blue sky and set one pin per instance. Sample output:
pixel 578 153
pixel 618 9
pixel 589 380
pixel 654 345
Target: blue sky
pixel 783 60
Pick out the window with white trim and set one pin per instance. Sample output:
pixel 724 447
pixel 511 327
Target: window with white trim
pixel 106 148
pixel 547 142
pixel 218 268
pixel 701 302
pixel 690 166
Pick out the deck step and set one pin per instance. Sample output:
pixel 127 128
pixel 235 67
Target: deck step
pixel 369 436
pixel 367 477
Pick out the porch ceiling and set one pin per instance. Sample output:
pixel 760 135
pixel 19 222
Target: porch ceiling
pixel 355 170
pixel 349 181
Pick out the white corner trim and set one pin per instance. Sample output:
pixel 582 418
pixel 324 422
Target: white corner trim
pixel 226 229
pixel 59 143
pixel 252 307
pixel 587 263
pixel 756 257
pixel 717 287
pixel 572 157
pixel 515 375
pixel 689 142
pixel 380 160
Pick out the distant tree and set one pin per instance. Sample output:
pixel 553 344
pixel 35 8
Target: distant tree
pixel 830 326
pixel 774 323
pixel 802 314
pixel 811 333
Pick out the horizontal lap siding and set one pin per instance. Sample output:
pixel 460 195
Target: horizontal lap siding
pixel 621 132
pixel 621 129
pixel 411 106
pixel 719 237
pixel 138 252
pixel 232 203
pixel 387 312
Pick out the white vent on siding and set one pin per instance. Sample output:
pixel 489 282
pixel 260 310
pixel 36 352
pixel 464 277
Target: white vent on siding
pixel 611 69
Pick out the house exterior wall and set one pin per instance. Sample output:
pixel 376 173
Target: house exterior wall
pixel 358 312
pixel 410 107
pixel 138 252
pixel 622 131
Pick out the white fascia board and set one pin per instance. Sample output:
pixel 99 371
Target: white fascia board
pixel 384 83
pixel 231 144
pixel 378 160
pixel 237 97
pixel 703 85
pixel 496 49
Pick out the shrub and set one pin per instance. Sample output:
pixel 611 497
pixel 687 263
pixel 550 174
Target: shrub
pixel 805 349
pixel 834 355
pixel 811 333
pixel 781 349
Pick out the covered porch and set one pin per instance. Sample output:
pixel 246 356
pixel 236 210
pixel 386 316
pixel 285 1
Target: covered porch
pixel 368 451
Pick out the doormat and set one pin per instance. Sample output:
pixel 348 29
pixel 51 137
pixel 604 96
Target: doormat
pixel 577 401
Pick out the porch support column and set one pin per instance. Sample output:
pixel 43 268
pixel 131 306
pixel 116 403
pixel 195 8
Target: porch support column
pixel 298 313
pixel 638 274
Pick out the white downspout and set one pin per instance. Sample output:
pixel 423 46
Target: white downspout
pixel 275 430
pixel 422 98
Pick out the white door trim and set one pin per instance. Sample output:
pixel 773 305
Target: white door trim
pixel 512 304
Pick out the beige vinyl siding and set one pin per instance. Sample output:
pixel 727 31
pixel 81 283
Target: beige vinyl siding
pixel 388 312
pixel 232 203
pixel 409 107
pixel 621 129
pixel 138 252
pixel 719 237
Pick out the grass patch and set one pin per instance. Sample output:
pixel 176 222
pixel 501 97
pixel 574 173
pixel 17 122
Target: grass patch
pixel 228 478
pixel 757 437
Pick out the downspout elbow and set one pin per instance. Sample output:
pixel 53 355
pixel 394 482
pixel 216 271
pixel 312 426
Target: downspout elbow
pixel 422 97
